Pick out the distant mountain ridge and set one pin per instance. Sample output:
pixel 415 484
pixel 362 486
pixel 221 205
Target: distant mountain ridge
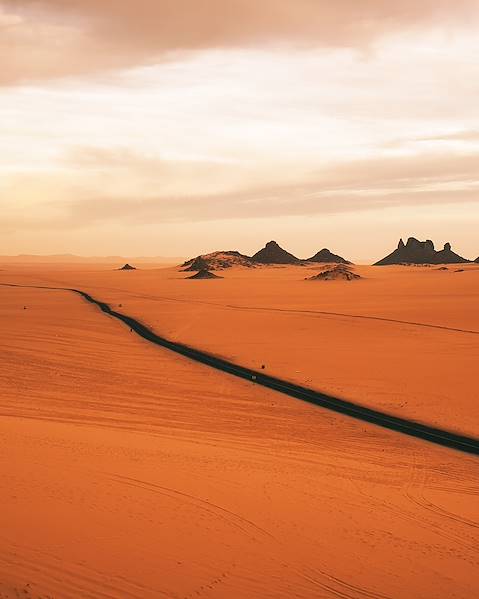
pixel 72 258
pixel 421 252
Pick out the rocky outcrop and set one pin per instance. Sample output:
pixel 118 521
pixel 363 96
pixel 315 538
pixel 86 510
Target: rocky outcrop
pixel 272 253
pixel 413 252
pixel 204 274
pixel 127 267
pixel 421 252
pixel 218 261
pixel 476 261
pixel 447 256
pixel 198 263
pixel 326 257
pixel 340 272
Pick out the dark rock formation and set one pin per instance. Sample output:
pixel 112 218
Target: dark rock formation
pixel 272 253
pixel 218 260
pixel 127 267
pixel 447 256
pixel 198 263
pixel 327 257
pixel 421 252
pixel 204 274
pixel 476 260
pixel 337 273
pixel 413 252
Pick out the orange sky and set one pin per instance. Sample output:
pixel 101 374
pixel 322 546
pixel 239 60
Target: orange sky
pixel 176 127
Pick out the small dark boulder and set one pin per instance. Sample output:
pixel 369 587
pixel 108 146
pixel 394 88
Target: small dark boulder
pixel 127 267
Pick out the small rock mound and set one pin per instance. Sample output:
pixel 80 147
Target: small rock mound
pixel 337 273
pixel 272 253
pixel 204 274
pixel 127 267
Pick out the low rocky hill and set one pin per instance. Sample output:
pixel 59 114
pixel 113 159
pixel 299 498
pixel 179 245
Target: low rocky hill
pixel 218 261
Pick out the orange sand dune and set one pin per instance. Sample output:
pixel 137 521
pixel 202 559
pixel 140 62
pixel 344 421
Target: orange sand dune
pixel 309 331
pixel 129 472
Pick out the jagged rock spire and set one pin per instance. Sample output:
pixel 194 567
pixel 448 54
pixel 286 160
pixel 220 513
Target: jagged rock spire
pixel 421 252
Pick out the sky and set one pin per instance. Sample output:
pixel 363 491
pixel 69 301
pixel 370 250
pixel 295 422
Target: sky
pixel 179 127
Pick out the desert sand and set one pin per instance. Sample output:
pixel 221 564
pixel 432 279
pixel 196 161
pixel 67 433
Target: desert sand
pixel 402 339
pixel 129 471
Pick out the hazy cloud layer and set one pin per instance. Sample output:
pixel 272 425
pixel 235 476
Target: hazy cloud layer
pixel 219 120
pixel 50 38
pixel 349 187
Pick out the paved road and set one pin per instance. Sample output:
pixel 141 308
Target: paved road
pixel 395 423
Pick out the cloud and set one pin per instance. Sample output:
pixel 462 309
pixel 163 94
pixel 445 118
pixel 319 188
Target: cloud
pixel 469 135
pixel 125 172
pixel 52 38
pixel 466 135
pixel 262 205
pixel 347 187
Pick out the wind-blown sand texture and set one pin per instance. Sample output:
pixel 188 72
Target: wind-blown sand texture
pixel 131 472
